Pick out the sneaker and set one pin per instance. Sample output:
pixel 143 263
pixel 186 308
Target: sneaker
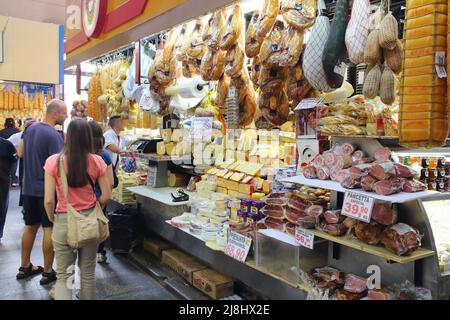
pixel 51 293
pixel 101 258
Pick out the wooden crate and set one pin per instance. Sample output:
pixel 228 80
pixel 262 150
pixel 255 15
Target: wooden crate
pixel 214 284
pixel 182 263
pixel 155 246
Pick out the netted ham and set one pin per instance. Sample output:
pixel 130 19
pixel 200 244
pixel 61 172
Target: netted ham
pixel 383 171
pixel 275 224
pixel 274 211
pixel 348 149
pixel 355 284
pixel 336 229
pixel 332 216
pixel 368 183
pixel 385 213
pixel 369 233
pixel 383 154
pixel 413 186
pixel 307 222
pixel 314 211
pixel 292 215
pixel 343 162
pixel 323 173
pixel 290 229
pixel 401 239
pixel 357 155
pixel 297 203
pixel 404 171
pixel 309 172
pixel 388 187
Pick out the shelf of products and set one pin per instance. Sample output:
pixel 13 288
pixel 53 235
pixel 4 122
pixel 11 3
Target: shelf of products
pixel 336 186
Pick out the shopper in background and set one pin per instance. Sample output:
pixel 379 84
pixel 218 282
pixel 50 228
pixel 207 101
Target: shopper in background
pixel 7 159
pixel 16 139
pixel 83 170
pixel 98 143
pixel 40 141
pixel 112 140
pixel 10 128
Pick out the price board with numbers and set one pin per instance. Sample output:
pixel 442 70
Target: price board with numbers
pixel 357 206
pixel 304 238
pixel 238 246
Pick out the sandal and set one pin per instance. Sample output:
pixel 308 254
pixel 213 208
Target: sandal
pixel 48 277
pixel 28 272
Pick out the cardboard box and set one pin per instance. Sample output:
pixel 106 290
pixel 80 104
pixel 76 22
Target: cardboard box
pixel 221 182
pixel 214 284
pixel 155 246
pixel 182 263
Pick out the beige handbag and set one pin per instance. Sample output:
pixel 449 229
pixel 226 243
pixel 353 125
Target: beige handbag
pixel 83 230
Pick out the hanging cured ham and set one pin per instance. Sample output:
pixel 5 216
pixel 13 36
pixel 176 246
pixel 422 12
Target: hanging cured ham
pixel 197 47
pixel 335 50
pixel 213 65
pixel 312 59
pixel 358 31
pixel 275 108
pixel 217 29
pixel 252 41
pixel 268 17
pixel 234 28
pixel 272 44
pixel 234 59
pixel 293 48
pixel 300 14
pixel 272 80
pixel 256 69
pixel 298 87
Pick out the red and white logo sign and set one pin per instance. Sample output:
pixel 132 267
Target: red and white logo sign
pixel 94 14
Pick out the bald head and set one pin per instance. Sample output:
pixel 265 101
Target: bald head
pixel 56 111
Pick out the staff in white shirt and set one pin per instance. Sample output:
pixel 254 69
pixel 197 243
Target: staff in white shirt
pixel 112 139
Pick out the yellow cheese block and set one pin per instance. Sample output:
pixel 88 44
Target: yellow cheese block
pixel 425 116
pixel 161 148
pixel 237 176
pixel 228 175
pixel 424 130
pixel 246 188
pixel 420 70
pixel 221 182
pixel 425 80
pixel 424 51
pixel 426 31
pixel 425 42
pixel 258 195
pixel 234 194
pixel 414 12
pixel 414 99
pixel 423 90
pixel 429 19
pixel 166 134
pixel 266 186
pixel 411 4
pixel 222 190
pixel 425 107
pixel 170 148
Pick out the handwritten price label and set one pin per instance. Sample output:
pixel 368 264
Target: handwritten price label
pixel 238 246
pixel 357 206
pixel 304 238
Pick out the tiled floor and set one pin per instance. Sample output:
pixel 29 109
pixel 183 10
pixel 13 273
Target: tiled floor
pixel 117 280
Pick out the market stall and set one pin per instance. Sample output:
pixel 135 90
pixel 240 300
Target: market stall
pixel 312 144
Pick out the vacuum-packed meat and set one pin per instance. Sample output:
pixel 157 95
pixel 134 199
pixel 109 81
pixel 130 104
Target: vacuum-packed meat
pixel 292 215
pixel 350 223
pixel 388 187
pixel 329 274
pixel 385 213
pixel 297 203
pixel 379 295
pixel 348 149
pixel 357 155
pixel 404 171
pixel 413 186
pixel 275 224
pixel 309 172
pixel 355 284
pixel 368 183
pixel 383 154
pixel 355 173
pixel 314 211
pixel 318 161
pixel 369 233
pixel 343 162
pixel 307 222
pixel 336 229
pixel 349 182
pixel 290 228
pixel 323 173
pixel 329 158
pixel 332 216
pixel 401 239
pixel 345 295
pixel 274 211
pixel 383 171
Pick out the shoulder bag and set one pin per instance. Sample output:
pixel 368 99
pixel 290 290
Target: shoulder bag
pixel 83 230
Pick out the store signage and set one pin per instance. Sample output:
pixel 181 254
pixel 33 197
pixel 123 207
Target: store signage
pixel 357 206
pixel 238 246
pixel 97 22
pixel 304 238
pixel 201 128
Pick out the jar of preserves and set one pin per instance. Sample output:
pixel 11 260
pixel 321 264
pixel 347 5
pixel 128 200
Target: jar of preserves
pixel 425 162
pixel 432 173
pixel 440 185
pixel 407 161
pixel 424 174
pixel 432 184
pixel 441 162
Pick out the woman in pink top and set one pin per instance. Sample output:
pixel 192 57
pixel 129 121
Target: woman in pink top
pixel 83 169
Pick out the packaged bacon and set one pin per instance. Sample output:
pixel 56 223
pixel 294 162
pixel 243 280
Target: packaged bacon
pixel 388 187
pixel 404 171
pixel 413 186
pixel 307 222
pixel 385 213
pixel 368 183
pixel 383 171
pixel 383 154
pixel 369 233
pixel 401 239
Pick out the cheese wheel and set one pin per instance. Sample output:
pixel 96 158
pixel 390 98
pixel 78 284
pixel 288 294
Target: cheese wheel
pixel 412 4
pixel 423 90
pixel 420 70
pixel 425 116
pixel 161 148
pixel 424 51
pixel 426 107
pixel 419 61
pixel 177 180
pixel 429 19
pixel 425 31
pixel 170 148
pixel 425 42
pixel 429 80
pixel 422 99
pixel 427 9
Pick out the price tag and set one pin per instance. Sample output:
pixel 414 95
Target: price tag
pixel 441 64
pixel 357 206
pixel 238 246
pixel 304 238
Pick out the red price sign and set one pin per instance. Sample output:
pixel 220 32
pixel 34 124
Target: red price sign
pixel 357 206
pixel 304 238
pixel 238 246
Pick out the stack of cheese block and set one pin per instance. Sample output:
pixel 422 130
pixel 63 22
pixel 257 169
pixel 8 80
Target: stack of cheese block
pixel 423 109
pixel 121 194
pixel 176 142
